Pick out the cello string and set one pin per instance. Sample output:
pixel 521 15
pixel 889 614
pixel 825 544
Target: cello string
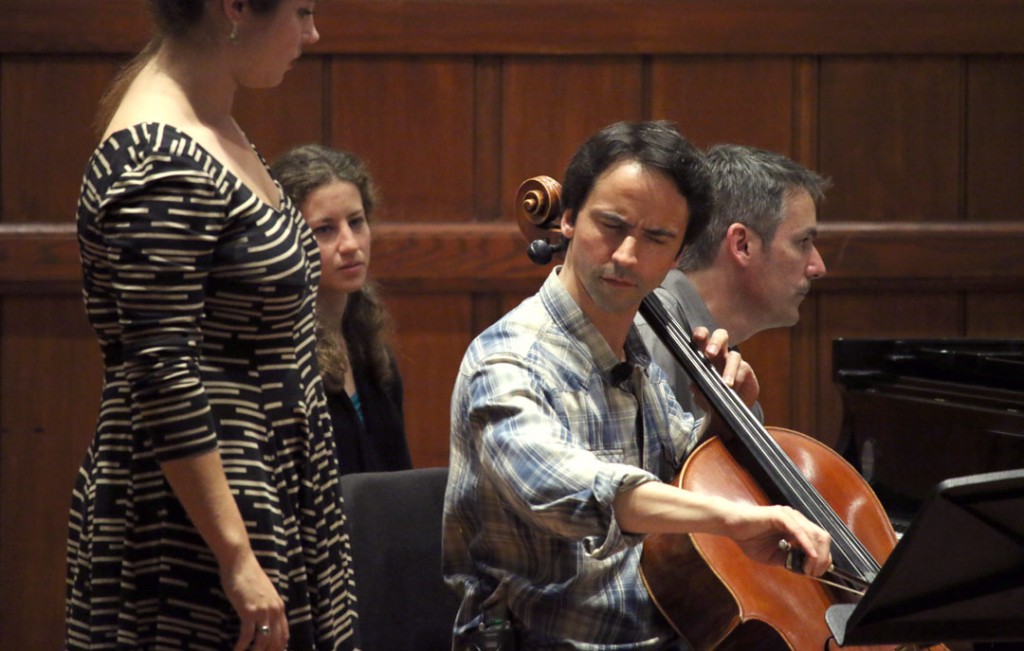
pixel 779 466
pixel 799 490
pixel 767 445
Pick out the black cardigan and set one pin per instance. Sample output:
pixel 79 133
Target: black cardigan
pixel 377 442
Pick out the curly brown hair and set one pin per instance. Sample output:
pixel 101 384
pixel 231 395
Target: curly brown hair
pixel 366 327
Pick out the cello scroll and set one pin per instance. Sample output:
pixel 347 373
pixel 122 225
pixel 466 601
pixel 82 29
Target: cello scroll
pixel 538 206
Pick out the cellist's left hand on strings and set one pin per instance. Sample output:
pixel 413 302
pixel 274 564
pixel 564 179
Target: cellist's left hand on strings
pixel 736 372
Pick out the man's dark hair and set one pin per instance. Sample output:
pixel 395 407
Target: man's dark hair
pixel 656 146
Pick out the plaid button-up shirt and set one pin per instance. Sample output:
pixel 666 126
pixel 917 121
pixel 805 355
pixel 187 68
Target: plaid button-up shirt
pixel 544 436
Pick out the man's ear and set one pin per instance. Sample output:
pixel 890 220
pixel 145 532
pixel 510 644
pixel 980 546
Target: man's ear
pixel 568 224
pixel 679 256
pixel 740 243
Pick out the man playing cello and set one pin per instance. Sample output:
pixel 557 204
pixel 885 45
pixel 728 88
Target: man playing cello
pixel 565 434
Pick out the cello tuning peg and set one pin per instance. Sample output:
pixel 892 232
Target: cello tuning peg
pixel 541 251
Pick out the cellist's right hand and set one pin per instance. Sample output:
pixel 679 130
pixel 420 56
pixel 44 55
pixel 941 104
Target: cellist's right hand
pixel 657 507
pixel 759 529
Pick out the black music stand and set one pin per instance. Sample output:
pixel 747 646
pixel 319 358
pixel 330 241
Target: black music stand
pixel 956 575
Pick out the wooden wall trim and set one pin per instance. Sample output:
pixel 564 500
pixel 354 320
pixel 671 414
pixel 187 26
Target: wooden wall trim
pixel 39 259
pixel 573 27
pixel 695 26
pixel 950 255
pixel 491 257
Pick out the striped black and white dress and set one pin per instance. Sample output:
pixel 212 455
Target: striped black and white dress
pixel 202 297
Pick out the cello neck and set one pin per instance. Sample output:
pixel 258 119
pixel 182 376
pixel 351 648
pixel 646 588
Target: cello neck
pixel 849 555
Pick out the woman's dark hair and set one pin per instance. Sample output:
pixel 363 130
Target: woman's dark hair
pixel 174 19
pixel 365 325
pixel 310 167
pixel 177 18
pixel 656 146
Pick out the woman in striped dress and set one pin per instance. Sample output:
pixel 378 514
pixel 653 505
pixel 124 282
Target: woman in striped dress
pixel 207 513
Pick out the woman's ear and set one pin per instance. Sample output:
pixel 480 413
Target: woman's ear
pixel 233 9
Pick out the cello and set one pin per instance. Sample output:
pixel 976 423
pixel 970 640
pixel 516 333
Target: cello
pixel 709 591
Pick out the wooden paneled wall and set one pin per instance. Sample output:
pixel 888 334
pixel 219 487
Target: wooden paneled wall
pixel 913 107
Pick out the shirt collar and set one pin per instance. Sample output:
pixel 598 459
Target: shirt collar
pixel 567 314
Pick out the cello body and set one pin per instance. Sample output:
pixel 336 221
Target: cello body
pixel 718 598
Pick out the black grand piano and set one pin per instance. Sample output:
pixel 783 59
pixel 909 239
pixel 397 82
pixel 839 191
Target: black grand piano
pixel 917 411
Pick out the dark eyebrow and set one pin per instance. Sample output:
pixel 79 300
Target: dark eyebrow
pixel 611 216
pixel 661 232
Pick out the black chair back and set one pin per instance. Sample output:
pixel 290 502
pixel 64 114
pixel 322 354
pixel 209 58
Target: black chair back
pixel 394 523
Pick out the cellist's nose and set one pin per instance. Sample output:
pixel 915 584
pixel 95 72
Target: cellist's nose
pixel 625 253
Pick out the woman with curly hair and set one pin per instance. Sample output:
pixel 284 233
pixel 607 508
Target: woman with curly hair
pixel 336 196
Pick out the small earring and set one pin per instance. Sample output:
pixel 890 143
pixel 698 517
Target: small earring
pixel 234 34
